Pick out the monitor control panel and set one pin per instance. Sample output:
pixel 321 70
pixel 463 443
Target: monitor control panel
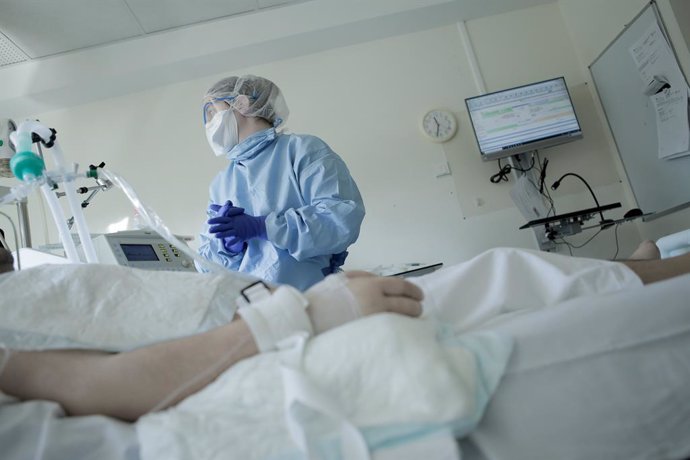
pixel 141 249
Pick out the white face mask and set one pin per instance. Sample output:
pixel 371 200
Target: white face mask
pixel 221 132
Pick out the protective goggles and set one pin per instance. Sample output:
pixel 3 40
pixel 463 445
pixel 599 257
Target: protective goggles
pixel 212 107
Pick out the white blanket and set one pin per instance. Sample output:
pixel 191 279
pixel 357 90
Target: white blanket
pixel 109 307
pixel 389 375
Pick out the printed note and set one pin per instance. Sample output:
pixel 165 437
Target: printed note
pixel 654 59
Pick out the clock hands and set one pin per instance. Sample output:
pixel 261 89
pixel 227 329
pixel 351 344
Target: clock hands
pixel 438 125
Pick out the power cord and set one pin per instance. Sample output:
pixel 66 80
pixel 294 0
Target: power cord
pixel 604 221
pixel 570 245
pixel 615 233
pixel 502 174
pixel 544 191
pixel 504 171
pixel 542 175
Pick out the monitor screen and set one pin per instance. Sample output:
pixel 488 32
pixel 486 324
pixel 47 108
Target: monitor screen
pixel 139 252
pixel 523 119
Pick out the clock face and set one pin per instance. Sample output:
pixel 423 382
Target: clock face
pixel 439 125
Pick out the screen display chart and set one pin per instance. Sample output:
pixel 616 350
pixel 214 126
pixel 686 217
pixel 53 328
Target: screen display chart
pixel 520 115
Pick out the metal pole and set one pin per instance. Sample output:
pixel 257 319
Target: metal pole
pixel 24 227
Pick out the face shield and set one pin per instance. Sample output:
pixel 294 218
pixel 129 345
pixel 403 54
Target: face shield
pixel 213 106
pixel 248 95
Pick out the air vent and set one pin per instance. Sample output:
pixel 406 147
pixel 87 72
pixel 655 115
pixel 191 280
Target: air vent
pixel 9 52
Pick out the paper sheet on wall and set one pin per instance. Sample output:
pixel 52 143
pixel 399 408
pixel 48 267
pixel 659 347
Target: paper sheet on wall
pixel 671 107
pixel 654 59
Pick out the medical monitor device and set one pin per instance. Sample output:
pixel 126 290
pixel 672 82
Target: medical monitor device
pixel 523 119
pixel 141 249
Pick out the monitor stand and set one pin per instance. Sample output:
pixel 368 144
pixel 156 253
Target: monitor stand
pixel 532 204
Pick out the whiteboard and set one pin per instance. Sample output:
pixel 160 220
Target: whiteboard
pixel 660 186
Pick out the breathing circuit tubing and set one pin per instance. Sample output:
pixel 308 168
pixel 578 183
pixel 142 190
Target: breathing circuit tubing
pixel 31 170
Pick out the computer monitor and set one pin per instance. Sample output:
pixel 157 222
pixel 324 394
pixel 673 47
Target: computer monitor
pixel 523 119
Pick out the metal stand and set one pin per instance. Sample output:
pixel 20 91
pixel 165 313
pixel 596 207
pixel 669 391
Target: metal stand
pixel 24 237
pixel 24 226
pixel 520 166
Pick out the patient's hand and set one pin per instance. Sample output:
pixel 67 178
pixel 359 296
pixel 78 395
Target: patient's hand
pixel 377 294
pixel 345 297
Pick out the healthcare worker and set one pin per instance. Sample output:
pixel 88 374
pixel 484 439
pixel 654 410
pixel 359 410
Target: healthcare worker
pixel 286 207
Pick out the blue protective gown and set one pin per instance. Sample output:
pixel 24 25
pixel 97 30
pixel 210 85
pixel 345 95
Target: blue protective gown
pixel 313 207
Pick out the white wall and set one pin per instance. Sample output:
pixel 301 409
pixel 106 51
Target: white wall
pixel 366 100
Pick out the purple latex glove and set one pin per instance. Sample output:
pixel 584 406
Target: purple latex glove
pixel 233 245
pixel 238 228
pixel 228 210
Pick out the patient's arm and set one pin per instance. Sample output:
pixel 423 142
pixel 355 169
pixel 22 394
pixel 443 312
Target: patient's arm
pixel 653 270
pixel 130 384
pixel 126 385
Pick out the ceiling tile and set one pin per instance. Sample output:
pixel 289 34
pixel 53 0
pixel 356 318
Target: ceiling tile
pixel 44 27
pixel 9 53
pixel 156 15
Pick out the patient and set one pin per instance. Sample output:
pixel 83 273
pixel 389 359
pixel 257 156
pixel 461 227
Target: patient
pixel 137 381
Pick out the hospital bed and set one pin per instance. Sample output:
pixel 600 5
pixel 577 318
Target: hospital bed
pixel 624 393
pixel 621 393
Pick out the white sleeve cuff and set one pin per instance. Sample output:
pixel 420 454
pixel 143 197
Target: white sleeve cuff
pixel 277 317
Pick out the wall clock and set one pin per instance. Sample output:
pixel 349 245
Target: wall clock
pixel 439 125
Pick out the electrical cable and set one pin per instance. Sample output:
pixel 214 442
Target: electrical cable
pixel 517 158
pixel 544 190
pixel 556 184
pixel 583 244
pixel 502 174
pixel 542 175
pixel 615 233
pixel 567 246
pixel 504 171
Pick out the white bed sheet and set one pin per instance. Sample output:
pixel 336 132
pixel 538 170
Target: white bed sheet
pixel 600 378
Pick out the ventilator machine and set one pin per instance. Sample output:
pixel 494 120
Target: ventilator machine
pixel 143 249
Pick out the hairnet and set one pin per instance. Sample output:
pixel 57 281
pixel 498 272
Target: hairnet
pixel 251 96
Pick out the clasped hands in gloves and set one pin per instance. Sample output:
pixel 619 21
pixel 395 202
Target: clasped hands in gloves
pixel 234 226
